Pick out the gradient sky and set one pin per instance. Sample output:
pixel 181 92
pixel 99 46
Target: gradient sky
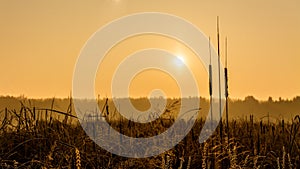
pixel 41 40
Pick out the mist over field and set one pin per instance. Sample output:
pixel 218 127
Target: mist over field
pixel 272 110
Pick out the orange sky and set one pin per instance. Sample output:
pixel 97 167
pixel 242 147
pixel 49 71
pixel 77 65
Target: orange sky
pixel 41 40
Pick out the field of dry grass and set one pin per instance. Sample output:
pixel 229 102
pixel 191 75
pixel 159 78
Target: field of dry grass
pixel 46 138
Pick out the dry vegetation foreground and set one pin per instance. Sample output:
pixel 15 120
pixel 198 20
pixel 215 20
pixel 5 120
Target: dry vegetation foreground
pixel 36 138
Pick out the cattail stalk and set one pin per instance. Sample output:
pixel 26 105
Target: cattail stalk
pixel 226 91
pixel 219 68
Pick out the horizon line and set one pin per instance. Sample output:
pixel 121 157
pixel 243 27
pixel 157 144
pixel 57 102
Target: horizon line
pixel 146 97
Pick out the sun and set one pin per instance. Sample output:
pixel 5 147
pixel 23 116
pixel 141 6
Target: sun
pixel 179 60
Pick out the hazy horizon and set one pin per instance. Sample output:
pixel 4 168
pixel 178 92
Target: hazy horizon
pixel 154 97
pixel 276 109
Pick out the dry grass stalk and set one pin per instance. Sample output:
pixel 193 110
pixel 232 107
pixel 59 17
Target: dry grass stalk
pixel 78 160
pixel 181 162
pixel 189 163
pixel 204 155
pixel 283 157
pixel 233 157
